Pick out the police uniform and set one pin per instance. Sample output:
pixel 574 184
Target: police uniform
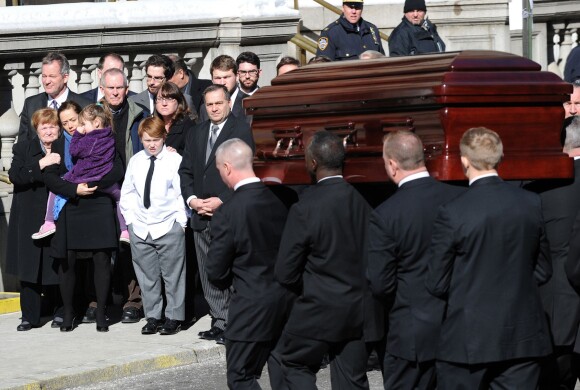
pixel 342 40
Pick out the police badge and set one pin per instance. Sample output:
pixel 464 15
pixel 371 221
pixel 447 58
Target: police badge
pixel 322 43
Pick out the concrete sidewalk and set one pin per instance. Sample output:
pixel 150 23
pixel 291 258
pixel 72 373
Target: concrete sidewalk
pixel 46 358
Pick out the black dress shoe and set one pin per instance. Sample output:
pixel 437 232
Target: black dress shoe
pixel 90 315
pixel 152 326
pixel 67 327
pixel 170 327
pixel 24 326
pixel 131 315
pixel 211 334
pixel 221 339
pixel 56 322
pixel 102 328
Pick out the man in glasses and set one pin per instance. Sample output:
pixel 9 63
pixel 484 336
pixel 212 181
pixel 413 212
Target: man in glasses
pixel 158 69
pixel 348 36
pixel 249 72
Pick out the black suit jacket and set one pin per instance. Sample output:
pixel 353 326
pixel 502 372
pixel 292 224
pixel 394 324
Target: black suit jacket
pixel 238 109
pixel 399 238
pixel 201 178
pixel 246 233
pixel 322 257
pixel 196 88
pixel 560 204
pixel 93 94
pixel 36 102
pixel 488 254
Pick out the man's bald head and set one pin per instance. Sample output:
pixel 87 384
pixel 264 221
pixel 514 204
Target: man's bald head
pixel 234 161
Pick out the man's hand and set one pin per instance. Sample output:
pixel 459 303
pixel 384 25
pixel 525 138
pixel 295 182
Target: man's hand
pixel 209 206
pixel 84 190
pixel 196 204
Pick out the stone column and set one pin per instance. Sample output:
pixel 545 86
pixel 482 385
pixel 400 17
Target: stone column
pixel 84 70
pixel 32 76
pixel 9 121
pixel 136 75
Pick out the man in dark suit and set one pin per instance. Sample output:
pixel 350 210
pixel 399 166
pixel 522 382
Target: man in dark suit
pixel 399 238
pixel 224 72
pixel 321 258
pixel 488 254
pixel 246 235
pixel 106 62
pixel 205 192
pixel 191 87
pixel 158 69
pixel 55 72
pixel 560 204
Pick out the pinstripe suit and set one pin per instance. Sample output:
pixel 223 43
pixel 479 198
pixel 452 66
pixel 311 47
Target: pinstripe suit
pixel 201 178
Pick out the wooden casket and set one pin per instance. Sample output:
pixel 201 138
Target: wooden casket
pixel 436 96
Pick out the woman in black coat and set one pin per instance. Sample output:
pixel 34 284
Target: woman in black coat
pixel 171 106
pixel 87 223
pixel 26 258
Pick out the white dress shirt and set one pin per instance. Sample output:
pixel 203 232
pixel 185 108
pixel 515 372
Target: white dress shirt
pixel 59 100
pixel 167 206
pixel 414 176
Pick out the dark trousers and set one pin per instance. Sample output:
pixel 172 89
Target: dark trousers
pixel 128 279
pixel 245 362
pixel 301 358
pixel 31 301
pixel 559 370
pixel 404 374
pixel 519 374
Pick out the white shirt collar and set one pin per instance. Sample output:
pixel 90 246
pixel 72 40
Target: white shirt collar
pixel 159 155
pixel 234 95
pixel 59 100
pixel 482 176
pixel 246 181
pixel 329 177
pixel 576 158
pixel 414 176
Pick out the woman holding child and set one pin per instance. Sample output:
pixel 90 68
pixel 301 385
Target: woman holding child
pixel 87 223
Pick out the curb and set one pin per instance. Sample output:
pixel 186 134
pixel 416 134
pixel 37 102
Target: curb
pixel 9 302
pixel 92 377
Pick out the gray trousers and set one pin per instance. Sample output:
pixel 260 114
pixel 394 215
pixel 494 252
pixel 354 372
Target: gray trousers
pixel 217 300
pixel 157 261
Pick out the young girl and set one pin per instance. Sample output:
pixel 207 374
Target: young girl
pixel 92 149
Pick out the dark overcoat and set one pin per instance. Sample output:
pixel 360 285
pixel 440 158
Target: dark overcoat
pixel 27 258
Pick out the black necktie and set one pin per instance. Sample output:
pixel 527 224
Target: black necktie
pixel 147 191
pixel 211 141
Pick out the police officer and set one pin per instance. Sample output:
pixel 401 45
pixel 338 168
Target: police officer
pixel 415 34
pixel 348 36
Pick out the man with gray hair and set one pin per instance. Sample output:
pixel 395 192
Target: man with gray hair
pixel 399 239
pixel 488 254
pixel 55 72
pixel 246 235
pixel 560 205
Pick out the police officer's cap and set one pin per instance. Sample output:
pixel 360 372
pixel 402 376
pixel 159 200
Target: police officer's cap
pixel 353 3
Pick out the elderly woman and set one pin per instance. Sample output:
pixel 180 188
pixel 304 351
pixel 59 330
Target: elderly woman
pixel 27 259
pixel 171 106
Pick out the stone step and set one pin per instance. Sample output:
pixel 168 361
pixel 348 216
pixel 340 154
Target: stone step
pixel 9 302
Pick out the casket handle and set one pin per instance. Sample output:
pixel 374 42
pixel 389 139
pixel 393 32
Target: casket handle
pixel 286 140
pixel 394 124
pixel 346 131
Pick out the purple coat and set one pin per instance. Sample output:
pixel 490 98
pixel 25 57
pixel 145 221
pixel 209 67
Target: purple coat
pixel 93 154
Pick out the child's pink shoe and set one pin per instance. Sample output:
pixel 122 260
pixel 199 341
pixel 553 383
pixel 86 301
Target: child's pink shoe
pixel 46 230
pixel 124 237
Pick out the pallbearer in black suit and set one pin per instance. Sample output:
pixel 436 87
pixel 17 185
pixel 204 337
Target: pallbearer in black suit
pixel 488 254
pixel 322 258
pixel 245 239
pixel 560 204
pixel 399 238
pixel 204 191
